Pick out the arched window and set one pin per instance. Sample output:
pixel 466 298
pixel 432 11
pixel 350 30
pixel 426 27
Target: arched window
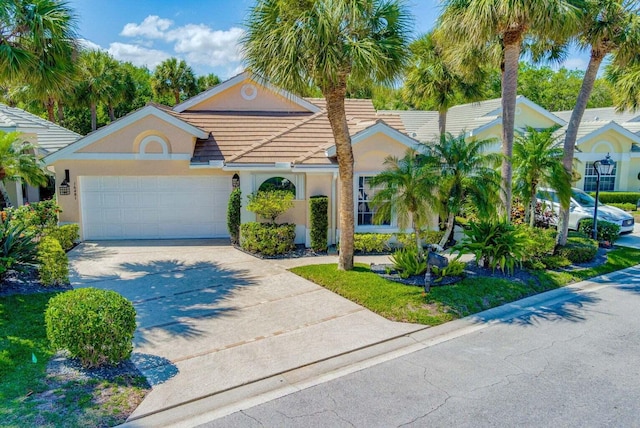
pixel 278 183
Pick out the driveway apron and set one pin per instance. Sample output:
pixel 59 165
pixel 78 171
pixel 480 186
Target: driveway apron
pixel 211 318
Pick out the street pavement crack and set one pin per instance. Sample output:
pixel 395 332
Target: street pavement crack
pixel 413 421
pixel 251 417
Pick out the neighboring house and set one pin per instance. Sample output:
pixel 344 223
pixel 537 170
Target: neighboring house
pixel 49 138
pixel 163 172
pixel 602 131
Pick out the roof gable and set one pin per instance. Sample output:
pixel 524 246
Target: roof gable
pixel 379 126
pixel 246 92
pixel 611 126
pixel 149 110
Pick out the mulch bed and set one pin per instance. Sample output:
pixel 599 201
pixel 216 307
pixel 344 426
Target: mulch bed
pixel 27 282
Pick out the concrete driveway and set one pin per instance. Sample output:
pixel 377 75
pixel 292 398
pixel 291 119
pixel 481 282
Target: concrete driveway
pixel 211 318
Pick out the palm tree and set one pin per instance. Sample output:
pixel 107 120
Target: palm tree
pixel 465 174
pixel 537 160
pixel 96 76
pixel 607 26
pixel 324 43
pixel 626 85
pixel 433 83
pixel 506 24
pixel 407 191
pixel 18 161
pixel 174 77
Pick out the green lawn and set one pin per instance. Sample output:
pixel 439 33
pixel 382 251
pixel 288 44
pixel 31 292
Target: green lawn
pixel 29 398
pixel 399 302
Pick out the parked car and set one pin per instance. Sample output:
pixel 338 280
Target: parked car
pixel 582 206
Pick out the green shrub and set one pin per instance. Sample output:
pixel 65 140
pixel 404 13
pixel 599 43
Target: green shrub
pixel 18 249
pixel 539 244
pixel 270 204
pixel 408 262
pixel 579 248
pixel 53 264
pixel 371 242
pixel 625 206
pixel 618 197
pixel 319 213
pixel 34 217
pixel 67 235
pixel 454 268
pixel 428 237
pixel 555 262
pixel 95 326
pixel 233 216
pixel 607 231
pixel 496 244
pixel 267 238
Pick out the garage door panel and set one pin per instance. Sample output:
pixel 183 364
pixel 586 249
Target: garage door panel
pixel 154 207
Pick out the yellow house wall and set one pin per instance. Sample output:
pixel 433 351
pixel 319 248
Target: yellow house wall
pixel 608 142
pixel 530 117
pixel 231 99
pixel 70 204
pixel 128 139
pixel 369 155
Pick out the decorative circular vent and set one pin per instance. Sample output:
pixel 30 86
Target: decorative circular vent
pixel 249 91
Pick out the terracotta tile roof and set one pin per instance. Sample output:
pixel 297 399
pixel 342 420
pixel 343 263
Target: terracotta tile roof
pixel 268 137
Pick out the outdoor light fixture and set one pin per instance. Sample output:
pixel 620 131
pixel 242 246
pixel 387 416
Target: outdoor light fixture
pixel 64 188
pixel 602 167
pixel 235 181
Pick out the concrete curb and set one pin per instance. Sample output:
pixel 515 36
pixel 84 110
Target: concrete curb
pixel 226 402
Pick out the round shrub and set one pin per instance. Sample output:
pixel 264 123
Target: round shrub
pixel 53 267
pixel 267 239
pixel 95 326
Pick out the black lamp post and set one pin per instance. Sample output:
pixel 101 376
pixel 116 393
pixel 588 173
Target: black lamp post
pixel 602 167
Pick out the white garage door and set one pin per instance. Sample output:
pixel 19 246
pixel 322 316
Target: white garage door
pixel 154 207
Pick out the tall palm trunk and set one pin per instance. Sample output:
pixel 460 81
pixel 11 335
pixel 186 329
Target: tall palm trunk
pixel 597 55
pixel 442 122
pixel 94 117
pixel 60 112
pixel 6 200
pixel 338 119
pixel 416 231
pixel 49 104
pixel 512 41
pixel 176 95
pixel 112 112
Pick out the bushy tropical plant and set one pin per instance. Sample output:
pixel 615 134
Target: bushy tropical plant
pixel 454 268
pixel 409 262
pixel 495 244
pixel 67 235
pixel 371 242
pixel 607 231
pixel 53 264
pixel 18 248
pixel 579 248
pixel 270 204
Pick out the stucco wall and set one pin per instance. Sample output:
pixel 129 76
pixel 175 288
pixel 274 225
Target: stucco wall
pixel 231 99
pixel 128 139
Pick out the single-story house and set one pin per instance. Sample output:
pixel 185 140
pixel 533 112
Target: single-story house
pixel 602 131
pixel 163 172
pixel 48 137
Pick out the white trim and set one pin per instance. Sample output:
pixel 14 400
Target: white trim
pixel 150 110
pixel 372 228
pixel 255 167
pixel 378 128
pixel 311 169
pixel 129 156
pixel 494 122
pixel 153 139
pixel 592 157
pixel 238 79
pixel 614 126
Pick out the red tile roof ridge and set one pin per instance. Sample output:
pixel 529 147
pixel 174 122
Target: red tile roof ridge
pixel 278 134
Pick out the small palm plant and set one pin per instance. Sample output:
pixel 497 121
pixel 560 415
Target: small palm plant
pixel 19 161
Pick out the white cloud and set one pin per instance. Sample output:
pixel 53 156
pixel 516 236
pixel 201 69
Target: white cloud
pixel 197 43
pixel 137 55
pixel 89 45
pixel 152 27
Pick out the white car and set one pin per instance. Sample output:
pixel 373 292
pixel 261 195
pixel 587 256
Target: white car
pixel 582 206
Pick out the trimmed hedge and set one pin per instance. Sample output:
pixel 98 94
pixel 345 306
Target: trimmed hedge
pixel 428 237
pixel 371 242
pixel 618 197
pixel 624 206
pixel 267 238
pixel 95 326
pixel 579 249
pixel 319 213
pixel 67 235
pixel 53 264
pixel 607 232
pixel 233 216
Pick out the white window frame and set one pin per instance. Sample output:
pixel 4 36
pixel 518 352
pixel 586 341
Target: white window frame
pixel 392 227
pixel 605 180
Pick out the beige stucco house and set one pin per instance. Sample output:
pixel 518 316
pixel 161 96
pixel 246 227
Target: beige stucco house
pixel 47 136
pixel 163 172
pixel 602 131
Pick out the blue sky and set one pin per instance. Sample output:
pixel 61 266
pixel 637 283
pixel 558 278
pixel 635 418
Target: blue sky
pixel 203 32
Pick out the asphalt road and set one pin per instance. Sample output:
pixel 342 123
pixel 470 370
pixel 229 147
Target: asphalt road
pixel 574 363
